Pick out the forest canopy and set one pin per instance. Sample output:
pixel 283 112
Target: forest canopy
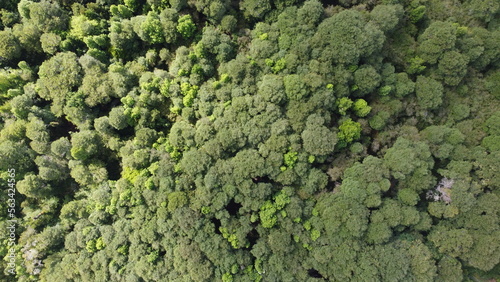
pixel 253 140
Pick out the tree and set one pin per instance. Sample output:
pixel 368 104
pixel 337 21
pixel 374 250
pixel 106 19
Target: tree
pixel 442 140
pixel 386 16
pixel 429 93
pixel 181 134
pixel 178 4
pixel 295 87
pixel 483 9
pixel 213 9
pixel 50 42
pixel 366 79
pixel 481 224
pixel 47 16
pixel 349 131
pixel 493 85
pixel 361 108
pixel 195 162
pixel 89 173
pixel 310 13
pixel 492 124
pixel 342 217
pixel 452 242
pixel 58 76
pixel 123 39
pixel 82 26
pixel 487 165
pixel 120 11
pixel 449 268
pixel 255 9
pixel 18 154
pixel 61 147
pixel 84 144
pixel 28 36
pixel 95 87
pixel 410 162
pixel 9 45
pixel 117 118
pixel 247 164
pixel 33 186
pixel 36 131
pixel 346 37
pixel 344 104
pixel 228 23
pixel 209 140
pixel 21 106
pixel 453 67
pixel 168 18
pixel 318 139
pixel 152 30
pixel 185 26
pixel 491 41
pixel 272 89
pixel 471 46
pixel 438 38
pixel 364 182
pixel 404 85
pixel 51 169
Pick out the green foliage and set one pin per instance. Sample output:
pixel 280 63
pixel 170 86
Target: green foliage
pixel 366 79
pixel 438 38
pixel 33 186
pixel 453 67
pixel 429 92
pixel 121 11
pixel 410 162
pixel 267 215
pixel 84 144
pixel 387 16
pixel 493 85
pixel 417 13
pixel 452 242
pixel 347 38
pixel 58 76
pixel 48 16
pixel 153 29
pixel 227 277
pixel 255 9
pixel 81 26
pixel 50 42
pixel 416 65
pixel 282 140
pixel 186 26
pixel 290 158
pixel 295 88
pixel 408 197
pixel 176 200
pixel 268 211
pixel 315 234
pixel 279 65
pixel 228 23
pixel 9 46
pixel 404 85
pixel 318 139
pixel 349 131
pixel 122 37
pixel 344 104
pixel 361 108
pixel 483 9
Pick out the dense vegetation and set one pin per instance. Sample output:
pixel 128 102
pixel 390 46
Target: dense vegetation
pixel 253 140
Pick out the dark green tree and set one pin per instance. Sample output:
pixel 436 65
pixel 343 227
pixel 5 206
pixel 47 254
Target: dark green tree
pixel 429 93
